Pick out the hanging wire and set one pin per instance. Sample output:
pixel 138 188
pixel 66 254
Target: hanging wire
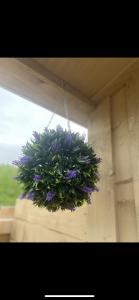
pixel 66 112
pixel 50 121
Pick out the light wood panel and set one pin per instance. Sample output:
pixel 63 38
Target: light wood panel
pixel 33 224
pixel 88 75
pixel 132 98
pixel 123 178
pixel 102 212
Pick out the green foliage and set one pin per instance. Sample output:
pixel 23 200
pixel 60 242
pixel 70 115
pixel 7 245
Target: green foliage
pixel 9 188
pixel 58 170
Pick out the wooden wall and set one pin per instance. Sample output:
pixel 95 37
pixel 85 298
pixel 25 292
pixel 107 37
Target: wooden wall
pixel 34 224
pixel 114 132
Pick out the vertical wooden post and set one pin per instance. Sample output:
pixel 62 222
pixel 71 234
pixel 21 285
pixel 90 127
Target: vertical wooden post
pixel 102 212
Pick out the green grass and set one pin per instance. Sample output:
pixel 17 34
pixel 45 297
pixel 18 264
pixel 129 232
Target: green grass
pixel 9 188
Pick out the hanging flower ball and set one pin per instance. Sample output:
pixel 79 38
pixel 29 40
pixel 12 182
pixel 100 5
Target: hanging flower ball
pixel 58 170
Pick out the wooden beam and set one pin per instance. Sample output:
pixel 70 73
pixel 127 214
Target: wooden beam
pixel 47 76
pixel 116 82
pixel 28 83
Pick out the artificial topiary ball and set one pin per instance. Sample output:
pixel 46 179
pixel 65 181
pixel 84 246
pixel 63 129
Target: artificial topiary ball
pixel 58 170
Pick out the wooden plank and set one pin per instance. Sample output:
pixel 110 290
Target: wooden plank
pixel 102 225
pixel 47 76
pixel 132 98
pixel 90 74
pixel 123 178
pixel 70 224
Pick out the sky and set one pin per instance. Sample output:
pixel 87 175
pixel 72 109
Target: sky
pixel 19 118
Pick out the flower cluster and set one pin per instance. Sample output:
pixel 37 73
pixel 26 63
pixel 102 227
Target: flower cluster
pixel 58 170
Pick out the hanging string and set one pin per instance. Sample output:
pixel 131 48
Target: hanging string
pixel 66 113
pixel 50 121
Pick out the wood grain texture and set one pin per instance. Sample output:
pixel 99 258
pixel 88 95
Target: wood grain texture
pixel 102 212
pixel 88 75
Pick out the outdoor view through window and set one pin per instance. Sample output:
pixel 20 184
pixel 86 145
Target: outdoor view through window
pixel 18 119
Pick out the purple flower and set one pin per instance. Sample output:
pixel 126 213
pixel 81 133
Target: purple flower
pixel 16 162
pixel 46 130
pixel 98 160
pixel 50 195
pixel 24 160
pixel 30 195
pixel 55 147
pixel 68 138
pixel 36 135
pixel 87 189
pixel 36 178
pixel 71 174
